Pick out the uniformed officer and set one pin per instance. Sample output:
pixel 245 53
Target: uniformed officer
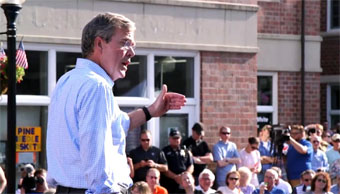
pixel 179 160
pixel 199 149
pixel 147 156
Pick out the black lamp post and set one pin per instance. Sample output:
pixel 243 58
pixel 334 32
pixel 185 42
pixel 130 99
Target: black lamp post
pixel 11 9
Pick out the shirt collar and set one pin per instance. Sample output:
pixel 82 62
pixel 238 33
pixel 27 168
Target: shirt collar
pixel 86 63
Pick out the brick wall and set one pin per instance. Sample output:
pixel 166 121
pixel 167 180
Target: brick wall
pixel 289 98
pixel 228 95
pixel 284 17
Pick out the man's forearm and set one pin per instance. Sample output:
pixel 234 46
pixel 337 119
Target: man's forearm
pixel 299 147
pixel 137 118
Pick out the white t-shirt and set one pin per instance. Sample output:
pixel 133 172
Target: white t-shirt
pixel 251 160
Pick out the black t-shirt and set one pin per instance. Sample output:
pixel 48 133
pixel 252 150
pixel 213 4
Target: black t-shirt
pixel 199 148
pixel 178 160
pixel 138 154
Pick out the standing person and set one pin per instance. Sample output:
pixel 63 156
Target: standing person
pixel 41 184
pixel 232 184
pixel 306 181
pixel 152 178
pixel 299 155
pixel 334 154
pixel 3 180
pixel 250 158
pixel 319 160
pixel 199 149
pixel 86 132
pixel 206 180
pixel 147 156
pixel 321 184
pixel 268 186
pixel 266 151
pixel 179 161
pixel 226 155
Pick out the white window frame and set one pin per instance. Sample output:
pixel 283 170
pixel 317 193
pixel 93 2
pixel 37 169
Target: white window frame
pixel 330 112
pixel 192 107
pixel 274 107
pixel 329 29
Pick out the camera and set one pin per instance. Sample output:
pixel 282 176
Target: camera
pixel 279 135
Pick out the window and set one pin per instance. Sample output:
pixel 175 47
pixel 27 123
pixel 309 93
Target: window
pixel 172 121
pixel 333 16
pixel 65 62
pixel 333 105
pixel 266 99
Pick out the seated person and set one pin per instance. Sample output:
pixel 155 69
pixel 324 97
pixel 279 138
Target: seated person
pixel 306 180
pixel 268 186
pixel 206 180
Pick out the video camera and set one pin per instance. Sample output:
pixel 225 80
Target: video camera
pixel 279 134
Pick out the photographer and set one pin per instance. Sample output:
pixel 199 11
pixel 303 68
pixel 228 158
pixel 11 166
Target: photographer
pixel 299 155
pixel 40 180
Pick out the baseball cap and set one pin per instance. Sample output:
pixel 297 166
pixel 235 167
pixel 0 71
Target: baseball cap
pixel 174 133
pixel 336 137
pixel 198 127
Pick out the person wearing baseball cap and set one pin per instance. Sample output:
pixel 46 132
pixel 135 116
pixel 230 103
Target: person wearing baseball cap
pixel 199 148
pixel 179 161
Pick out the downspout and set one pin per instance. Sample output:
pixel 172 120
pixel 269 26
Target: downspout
pixel 303 62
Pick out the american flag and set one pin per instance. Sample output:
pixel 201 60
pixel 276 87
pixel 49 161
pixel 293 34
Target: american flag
pixel 21 56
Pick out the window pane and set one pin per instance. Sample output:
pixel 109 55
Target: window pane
pixel 335 119
pixel 35 79
pixel 169 121
pixel 264 119
pixel 177 73
pixel 335 14
pixel 134 84
pixel 264 90
pixel 335 97
pixel 65 62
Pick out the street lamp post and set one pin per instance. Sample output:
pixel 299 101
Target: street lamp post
pixel 11 9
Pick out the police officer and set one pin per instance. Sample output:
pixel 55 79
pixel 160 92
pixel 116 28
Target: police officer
pixel 147 156
pixel 179 160
pixel 199 149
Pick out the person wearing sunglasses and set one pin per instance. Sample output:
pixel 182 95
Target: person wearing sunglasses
pixel 336 187
pixel 269 185
pixel 334 154
pixel 306 181
pixel 250 158
pixel 147 156
pixel 225 155
pixel 232 184
pixel 319 160
pixel 321 184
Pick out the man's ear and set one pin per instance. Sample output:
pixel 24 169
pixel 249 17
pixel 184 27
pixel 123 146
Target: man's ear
pixel 98 43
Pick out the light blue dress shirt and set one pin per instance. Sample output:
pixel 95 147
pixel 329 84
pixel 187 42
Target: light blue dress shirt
pixel 86 132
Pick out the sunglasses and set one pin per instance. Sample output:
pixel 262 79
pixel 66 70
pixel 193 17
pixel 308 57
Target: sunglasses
pixel 316 142
pixel 254 148
pixel 225 133
pixel 321 180
pixel 233 178
pixel 337 140
pixel 307 180
pixel 145 140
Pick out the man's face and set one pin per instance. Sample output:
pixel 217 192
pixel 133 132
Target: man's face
pixel 116 55
pixel 225 134
pixel 296 134
pixel 307 179
pixel 205 182
pixel 269 178
pixel 145 140
pixel 174 141
pixel 196 136
pixel 315 142
pixel 336 144
pixel 152 179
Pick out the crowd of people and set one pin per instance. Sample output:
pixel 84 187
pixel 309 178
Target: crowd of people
pixel 308 162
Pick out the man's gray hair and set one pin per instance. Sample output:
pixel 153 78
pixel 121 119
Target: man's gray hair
pixel 104 26
pixel 208 172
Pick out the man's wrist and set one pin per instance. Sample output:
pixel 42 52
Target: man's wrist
pixel 147 113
